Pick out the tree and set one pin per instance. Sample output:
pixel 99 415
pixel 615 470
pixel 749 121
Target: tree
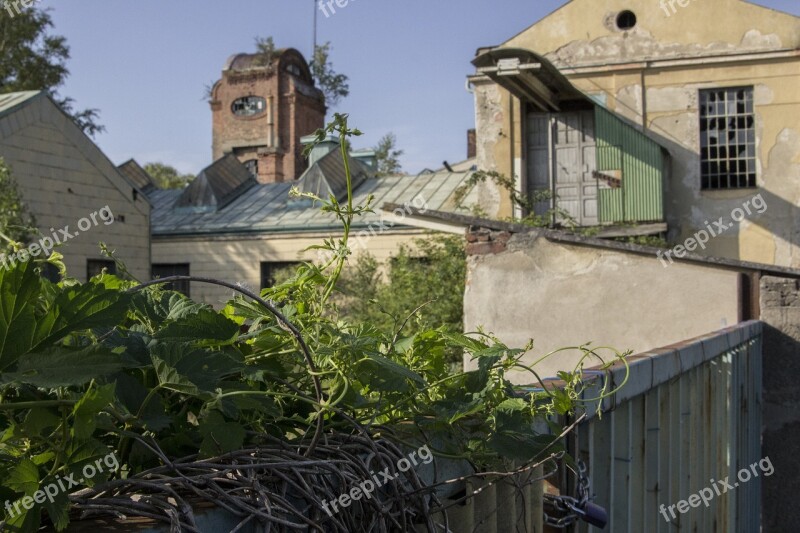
pixel 31 59
pixel 167 177
pixel 334 86
pixel 265 50
pixel 388 156
pixel 386 295
pixel 16 224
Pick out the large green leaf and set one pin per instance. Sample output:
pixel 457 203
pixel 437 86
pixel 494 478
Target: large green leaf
pixel 157 307
pixel 24 477
pixel 204 325
pixel 80 307
pixel 86 410
pixel 62 367
pixel 19 291
pixel 191 370
pixel 219 436
pixel 383 374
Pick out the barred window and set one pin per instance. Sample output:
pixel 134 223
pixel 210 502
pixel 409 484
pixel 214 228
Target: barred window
pixel 727 138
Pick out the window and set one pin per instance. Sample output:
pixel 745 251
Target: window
pixel 169 270
pixel 274 272
pixel 249 106
pixel 626 20
pixel 252 167
pixel 291 68
pixel 95 267
pixel 50 272
pixel 727 139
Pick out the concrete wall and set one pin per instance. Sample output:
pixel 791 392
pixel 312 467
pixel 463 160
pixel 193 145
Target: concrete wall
pixel 780 309
pixel 64 177
pixel 238 258
pixel 564 295
pixel 651 75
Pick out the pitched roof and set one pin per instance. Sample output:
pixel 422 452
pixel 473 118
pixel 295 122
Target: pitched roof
pixel 327 176
pixel 9 101
pixel 216 186
pixel 267 208
pixel 29 107
pixel 137 175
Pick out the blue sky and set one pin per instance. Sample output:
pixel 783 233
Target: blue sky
pixel 144 65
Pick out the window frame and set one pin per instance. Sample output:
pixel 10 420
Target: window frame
pixel 268 269
pixel 175 269
pixel 254 164
pixel 108 264
pixel 720 169
pixel 258 112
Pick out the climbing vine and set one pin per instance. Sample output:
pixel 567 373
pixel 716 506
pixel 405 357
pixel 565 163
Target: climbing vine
pixel 183 395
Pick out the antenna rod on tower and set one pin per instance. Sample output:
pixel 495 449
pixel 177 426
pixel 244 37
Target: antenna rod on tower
pixel 314 46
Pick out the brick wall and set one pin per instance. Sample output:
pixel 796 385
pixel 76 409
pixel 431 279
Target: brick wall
pixel 293 110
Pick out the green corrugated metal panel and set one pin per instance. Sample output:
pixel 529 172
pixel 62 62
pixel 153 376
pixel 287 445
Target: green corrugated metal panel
pixel 641 163
pixel 611 207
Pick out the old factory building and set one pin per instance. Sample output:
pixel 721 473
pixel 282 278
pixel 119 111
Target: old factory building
pixel 261 107
pixel 670 115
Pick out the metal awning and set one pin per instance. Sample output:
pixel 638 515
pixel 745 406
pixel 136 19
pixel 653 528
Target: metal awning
pixel 529 77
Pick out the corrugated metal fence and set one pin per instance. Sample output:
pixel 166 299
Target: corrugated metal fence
pixel 688 418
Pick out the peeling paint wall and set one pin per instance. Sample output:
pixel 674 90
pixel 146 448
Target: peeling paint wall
pixel 563 295
pixel 651 76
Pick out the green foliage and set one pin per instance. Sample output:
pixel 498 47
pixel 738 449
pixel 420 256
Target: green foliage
pixel 265 50
pixel 388 156
pixel 527 203
pixel 32 59
pixel 656 241
pixel 333 85
pixel 422 288
pixel 112 366
pixel 167 177
pixel 16 224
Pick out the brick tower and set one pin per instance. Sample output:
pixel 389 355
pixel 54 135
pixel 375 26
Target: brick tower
pixel 261 109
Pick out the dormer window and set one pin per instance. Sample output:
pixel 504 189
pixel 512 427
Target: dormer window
pixel 249 106
pixel 292 68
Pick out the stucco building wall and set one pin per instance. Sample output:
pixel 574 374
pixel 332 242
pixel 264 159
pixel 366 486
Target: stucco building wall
pixel 238 259
pixel 651 75
pixel 64 177
pixel 563 295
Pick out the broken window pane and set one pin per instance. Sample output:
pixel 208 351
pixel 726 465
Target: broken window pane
pixel 727 138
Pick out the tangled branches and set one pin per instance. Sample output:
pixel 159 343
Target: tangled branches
pixel 276 485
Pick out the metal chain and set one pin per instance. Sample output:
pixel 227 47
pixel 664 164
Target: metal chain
pixel 562 511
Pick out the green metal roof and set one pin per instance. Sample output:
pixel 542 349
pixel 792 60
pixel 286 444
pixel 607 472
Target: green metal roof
pixel 137 175
pixel 267 208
